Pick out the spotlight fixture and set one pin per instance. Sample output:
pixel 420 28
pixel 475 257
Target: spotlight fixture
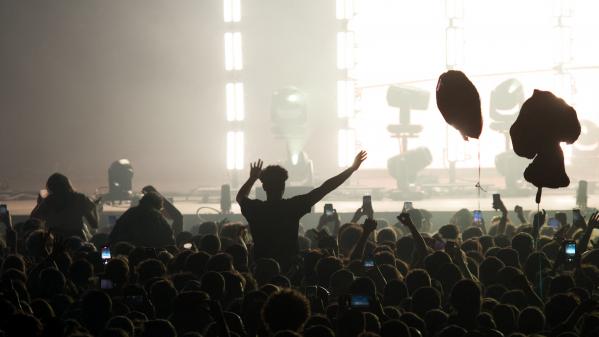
pixel 288 106
pixel 404 167
pixel 120 180
pixel 406 98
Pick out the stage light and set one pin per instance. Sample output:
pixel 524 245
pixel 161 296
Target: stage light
pixel 346 147
pixel 233 51
pixel 120 180
pixel 404 168
pixel 344 9
pixel 345 50
pixel 345 98
pixel 506 100
pixel 235 102
pixel 232 10
pixel 510 166
pixel 288 107
pixel 407 97
pixel 235 150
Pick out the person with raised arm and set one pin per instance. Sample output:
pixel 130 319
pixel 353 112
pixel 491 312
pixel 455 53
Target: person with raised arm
pixel 274 222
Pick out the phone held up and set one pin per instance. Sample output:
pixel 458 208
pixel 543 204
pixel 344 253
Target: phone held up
pixel 367 205
pixel 328 209
pixel 359 301
pixel 570 251
pixel 478 217
pixel 105 254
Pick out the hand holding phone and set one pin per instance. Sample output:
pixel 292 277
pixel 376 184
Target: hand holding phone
pixel 407 206
pixel 328 210
pixel 368 264
pixel 570 250
pixel 477 217
pixel 497 203
pixel 367 206
pixel 105 254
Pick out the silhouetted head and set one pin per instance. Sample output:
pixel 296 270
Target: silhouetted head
pixel 395 328
pixel 265 270
pixel 158 328
pixel 523 244
pixel 210 244
pixel 559 307
pixel 488 270
pixel 59 184
pixel 531 320
pixel 425 299
pixel 151 200
pixel 435 320
pixel 417 278
pixel 286 309
pixel 395 292
pixel 462 290
pixel 123 323
pixel 273 179
pixel 449 232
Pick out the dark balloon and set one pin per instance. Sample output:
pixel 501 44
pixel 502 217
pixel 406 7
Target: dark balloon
pixel 544 121
pixel 459 103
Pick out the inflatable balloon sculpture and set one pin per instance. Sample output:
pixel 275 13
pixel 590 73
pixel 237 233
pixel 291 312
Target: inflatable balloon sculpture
pixel 544 121
pixel 459 103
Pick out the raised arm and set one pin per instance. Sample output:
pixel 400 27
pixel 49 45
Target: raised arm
pixel 421 249
pixel 331 184
pixel 503 221
pixel 586 237
pixel 255 172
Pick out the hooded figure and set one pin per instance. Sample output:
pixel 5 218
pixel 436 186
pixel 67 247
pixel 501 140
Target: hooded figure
pixel 459 103
pixel 544 121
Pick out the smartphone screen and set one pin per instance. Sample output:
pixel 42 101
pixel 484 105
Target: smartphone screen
pixel 187 245
pixel 368 263
pixel 328 209
pixel 407 205
pixel 478 217
pixel 576 216
pixel 106 253
pixel 570 248
pixel 359 301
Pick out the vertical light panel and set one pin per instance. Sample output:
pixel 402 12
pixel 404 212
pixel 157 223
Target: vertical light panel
pixel 344 9
pixel 232 10
pixel 345 98
pixel 233 51
pixel 345 50
pixel 235 149
pixel 235 102
pixel 346 147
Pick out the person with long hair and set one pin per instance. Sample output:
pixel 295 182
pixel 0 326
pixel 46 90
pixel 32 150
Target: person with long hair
pixel 63 209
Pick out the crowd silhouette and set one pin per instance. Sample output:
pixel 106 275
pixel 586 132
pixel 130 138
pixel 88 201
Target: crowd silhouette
pixel 275 276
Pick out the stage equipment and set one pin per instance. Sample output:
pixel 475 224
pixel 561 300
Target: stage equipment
pixel 582 194
pixel 120 181
pixel 406 98
pixel 404 167
pixel 510 166
pixel 300 169
pixel 289 117
pixel 225 199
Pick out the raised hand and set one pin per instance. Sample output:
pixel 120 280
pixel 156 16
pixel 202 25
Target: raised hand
pixel 256 169
pixel 405 219
pixel 594 220
pixel 369 226
pixel 360 157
